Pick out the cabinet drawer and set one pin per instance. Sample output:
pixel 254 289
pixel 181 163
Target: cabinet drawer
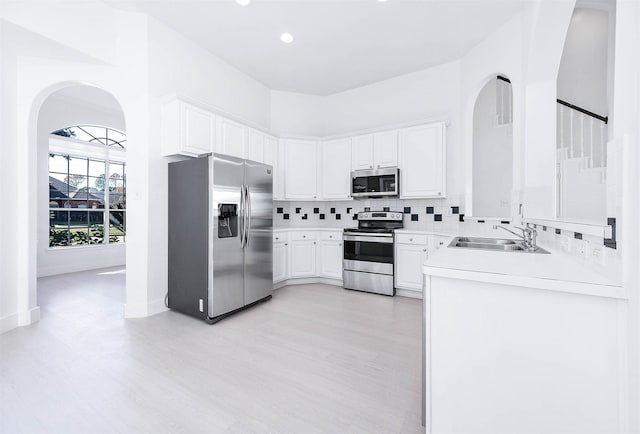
pixel 411 239
pixel 281 237
pixel 331 236
pixel 302 235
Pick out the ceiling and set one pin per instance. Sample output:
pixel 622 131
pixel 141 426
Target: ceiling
pixel 339 44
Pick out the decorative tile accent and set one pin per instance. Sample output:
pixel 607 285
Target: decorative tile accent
pixel 461 218
pixel 285 216
pixel 504 222
pixel 321 216
pixel 480 221
pixel 414 217
pixel 558 231
pixel 577 235
pixel 544 228
pixel 437 217
pixel 338 217
pixel 455 210
pixel 333 210
pixel 611 242
pixel 429 210
pixel 298 210
pixel 304 217
pixel 367 209
pixel 279 210
pixel 386 208
pixel 407 210
pixel 349 210
pixel 355 217
pixel 316 210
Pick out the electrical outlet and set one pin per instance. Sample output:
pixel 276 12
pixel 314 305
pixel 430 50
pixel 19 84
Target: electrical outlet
pixel 580 247
pixel 565 244
pixel 596 254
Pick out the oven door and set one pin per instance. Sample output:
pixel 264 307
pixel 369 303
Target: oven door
pixel 370 253
pixel 374 183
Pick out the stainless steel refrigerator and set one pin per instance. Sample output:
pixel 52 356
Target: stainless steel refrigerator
pixel 220 235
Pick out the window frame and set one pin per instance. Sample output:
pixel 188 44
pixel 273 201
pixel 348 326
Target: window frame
pixel 71 147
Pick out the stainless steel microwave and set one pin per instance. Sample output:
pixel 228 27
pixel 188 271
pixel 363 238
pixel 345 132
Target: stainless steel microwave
pixel 376 182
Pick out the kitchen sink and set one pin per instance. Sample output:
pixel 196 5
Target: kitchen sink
pixel 494 244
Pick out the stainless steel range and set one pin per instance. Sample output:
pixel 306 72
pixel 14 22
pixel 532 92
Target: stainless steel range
pixel 368 261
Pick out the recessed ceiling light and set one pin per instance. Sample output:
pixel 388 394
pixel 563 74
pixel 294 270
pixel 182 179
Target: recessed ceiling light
pixel 243 2
pixel 286 37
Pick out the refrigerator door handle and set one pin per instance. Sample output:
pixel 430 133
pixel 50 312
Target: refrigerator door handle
pixel 248 217
pixel 242 216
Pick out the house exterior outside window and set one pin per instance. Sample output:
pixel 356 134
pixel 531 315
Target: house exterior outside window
pixel 87 186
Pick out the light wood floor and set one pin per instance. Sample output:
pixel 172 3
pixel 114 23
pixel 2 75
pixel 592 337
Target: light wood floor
pixel 315 358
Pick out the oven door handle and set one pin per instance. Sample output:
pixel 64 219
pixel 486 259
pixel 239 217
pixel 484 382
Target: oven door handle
pixel 385 240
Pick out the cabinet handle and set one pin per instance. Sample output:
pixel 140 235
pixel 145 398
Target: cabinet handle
pixel 370 167
pixel 424 250
pixel 378 166
pixel 277 238
pixel 314 242
pixel 410 239
pixel 286 244
pixel 304 236
pixel 340 244
pixel 439 194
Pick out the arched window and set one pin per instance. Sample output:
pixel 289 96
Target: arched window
pixel 87 186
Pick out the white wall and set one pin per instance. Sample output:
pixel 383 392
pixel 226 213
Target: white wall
pixel 297 114
pixel 59 112
pixel 582 78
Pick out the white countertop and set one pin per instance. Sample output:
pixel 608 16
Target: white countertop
pixel 554 271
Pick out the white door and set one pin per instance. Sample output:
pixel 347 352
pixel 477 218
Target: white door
pixel 331 259
pixel 279 262
pixel 302 259
pixel 385 149
pixel 422 161
pixel 362 152
pixel 335 168
pixel 300 169
pixel 231 137
pixel 408 263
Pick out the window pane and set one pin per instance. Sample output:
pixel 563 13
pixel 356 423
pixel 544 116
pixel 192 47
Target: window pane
pixel 58 163
pixel 77 166
pixel 96 227
pixel 117 138
pixel 96 168
pixel 58 228
pixel 96 193
pixel 117 226
pixel 98 135
pixel 78 227
pixel 116 171
pixel 58 189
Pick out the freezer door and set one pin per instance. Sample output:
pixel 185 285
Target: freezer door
pixel 259 246
pixel 226 270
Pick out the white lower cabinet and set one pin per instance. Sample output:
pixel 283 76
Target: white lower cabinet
pixel 330 255
pixel 411 253
pixel 302 258
pixel 280 257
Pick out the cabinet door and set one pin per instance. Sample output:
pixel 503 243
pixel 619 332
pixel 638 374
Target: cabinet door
pixel 278 171
pixel 231 138
pixel 422 161
pixel 335 169
pixel 302 259
pixel 300 169
pixel 331 259
pixel 408 263
pixel 270 150
pixel 186 129
pixel 362 152
pixel 255 146
pixel 385 149
pixel 280 262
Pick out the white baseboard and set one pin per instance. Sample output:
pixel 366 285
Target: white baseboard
pixel 143 310
pixel 410 293
pixel 28 317
pixel 156 307
pixel 8 322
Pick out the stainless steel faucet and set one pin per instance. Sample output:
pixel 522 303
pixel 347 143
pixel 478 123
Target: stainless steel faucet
pixel 528 235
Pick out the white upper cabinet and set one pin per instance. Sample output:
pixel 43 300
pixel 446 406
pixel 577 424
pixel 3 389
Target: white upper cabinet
pixel 231 137
pixel 186 129
pixel 385 149
pixel 300 163
pixel 278 171
pixel 334 168
pixel 255 146
pixel 362 152
pixel 375 151
pixel 270 150
pixel 422 161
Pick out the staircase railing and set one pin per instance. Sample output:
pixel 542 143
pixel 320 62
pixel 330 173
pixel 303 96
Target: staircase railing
pixel 582 134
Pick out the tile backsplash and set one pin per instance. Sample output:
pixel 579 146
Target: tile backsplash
pixel 420 214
